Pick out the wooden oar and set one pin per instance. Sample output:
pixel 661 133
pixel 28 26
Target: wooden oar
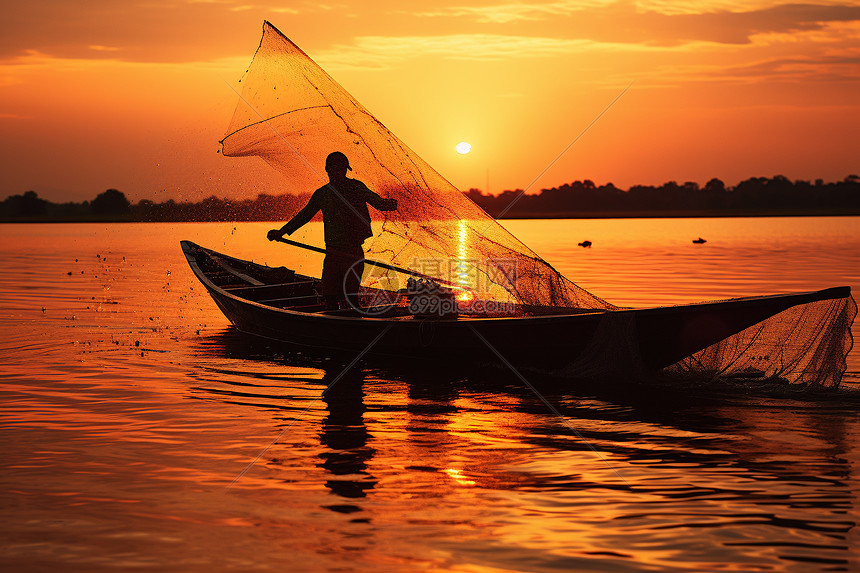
pixel 372 262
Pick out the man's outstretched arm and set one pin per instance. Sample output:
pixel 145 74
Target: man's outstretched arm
pixel 380 203
pixel 306 214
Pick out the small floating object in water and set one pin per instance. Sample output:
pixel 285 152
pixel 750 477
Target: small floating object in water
pixel 69 273
pixel 585 244
pixel 699 241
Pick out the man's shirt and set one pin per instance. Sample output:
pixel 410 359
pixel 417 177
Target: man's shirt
pixel 345 215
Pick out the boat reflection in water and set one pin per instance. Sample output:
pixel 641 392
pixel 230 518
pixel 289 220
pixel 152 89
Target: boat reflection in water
pixel 473 464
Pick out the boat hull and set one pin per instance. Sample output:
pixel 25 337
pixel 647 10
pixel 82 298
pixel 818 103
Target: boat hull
pixel 648 339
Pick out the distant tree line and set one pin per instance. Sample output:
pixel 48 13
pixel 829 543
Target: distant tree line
pixel 112 205
pixel 756 196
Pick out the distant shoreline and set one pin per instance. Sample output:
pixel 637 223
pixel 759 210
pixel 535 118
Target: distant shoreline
pixel 755 197
pixel 682 214
pixel 508 217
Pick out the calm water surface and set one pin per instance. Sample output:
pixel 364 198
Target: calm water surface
pixel 131 412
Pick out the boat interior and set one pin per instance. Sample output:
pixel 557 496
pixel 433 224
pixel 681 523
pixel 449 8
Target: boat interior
pixel 283 288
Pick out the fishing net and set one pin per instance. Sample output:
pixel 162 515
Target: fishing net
pixel 805 344
pixel 293 115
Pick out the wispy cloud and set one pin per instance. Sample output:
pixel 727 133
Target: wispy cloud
pixel 662 22
pixel 505 12
pixel 383 51
pixel 153 30
pixel 805 58
pixel 827 53
pixel 674 7
pixel 806 69
pixel 98 48
pixel 516 11
pixel 842 33
pixel 201 30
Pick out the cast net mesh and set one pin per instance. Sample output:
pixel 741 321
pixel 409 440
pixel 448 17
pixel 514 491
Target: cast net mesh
pixel 293 114
pixel 805 344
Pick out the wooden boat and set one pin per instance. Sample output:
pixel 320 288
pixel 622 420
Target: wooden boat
pixel 280 304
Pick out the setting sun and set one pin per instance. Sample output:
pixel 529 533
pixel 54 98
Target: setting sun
pixel 463 148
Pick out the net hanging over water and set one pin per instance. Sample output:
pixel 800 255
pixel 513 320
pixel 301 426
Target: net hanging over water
pixel 292 114
pixel 806 344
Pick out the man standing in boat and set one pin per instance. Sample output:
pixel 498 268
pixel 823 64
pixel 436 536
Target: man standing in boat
pixel 346 220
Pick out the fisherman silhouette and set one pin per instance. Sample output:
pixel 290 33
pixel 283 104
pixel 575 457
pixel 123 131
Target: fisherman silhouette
pixel 346 221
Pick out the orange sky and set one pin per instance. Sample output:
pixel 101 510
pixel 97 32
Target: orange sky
pixel 135 96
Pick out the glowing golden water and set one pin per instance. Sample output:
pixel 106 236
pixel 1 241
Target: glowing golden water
pixel 462 265
pixel 128 405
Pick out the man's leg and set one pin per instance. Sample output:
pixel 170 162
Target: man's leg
pixel 352 279
pixel 332 282
pixel 341 277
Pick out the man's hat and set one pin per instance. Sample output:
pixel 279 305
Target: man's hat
pixel 336 159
